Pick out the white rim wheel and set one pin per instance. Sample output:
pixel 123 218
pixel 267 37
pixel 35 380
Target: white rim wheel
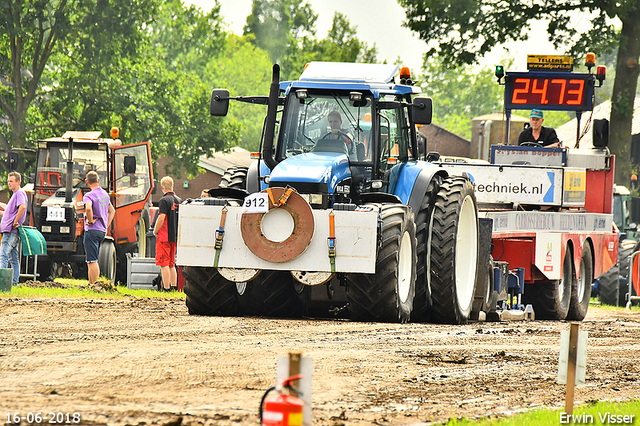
pixel 466 254
pixel 404 267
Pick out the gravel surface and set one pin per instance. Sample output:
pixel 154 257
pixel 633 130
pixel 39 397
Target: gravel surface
pixel 147 362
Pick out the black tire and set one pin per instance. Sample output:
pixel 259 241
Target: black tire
pixel 234 177
pixel 209 293
pixel 610 287
pixel 271 294
pixel 581 288
pixel 551 299
pixel 613 283
pixel 422 301
pixel 453 251
pixel 107 260
pixel 388 294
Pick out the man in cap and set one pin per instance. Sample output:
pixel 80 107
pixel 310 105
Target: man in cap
pixel 546 136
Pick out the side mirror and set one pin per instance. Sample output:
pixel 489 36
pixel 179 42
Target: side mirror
pixel 219 104
pixel 155 187
pixel 129 165
pixel 12 160
pixel 422 110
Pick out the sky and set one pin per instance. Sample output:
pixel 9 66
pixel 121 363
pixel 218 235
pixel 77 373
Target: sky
pixel 379 22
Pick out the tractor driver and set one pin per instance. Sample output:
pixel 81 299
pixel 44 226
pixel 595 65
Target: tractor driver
pixel 335 123
pixel 546 136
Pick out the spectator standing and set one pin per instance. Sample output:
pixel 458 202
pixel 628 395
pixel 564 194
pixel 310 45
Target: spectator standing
pixel 12 217
pixel 99 213
pixel 166 232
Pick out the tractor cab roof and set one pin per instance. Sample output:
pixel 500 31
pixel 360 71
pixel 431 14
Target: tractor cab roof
pixel 85 137
pixel 375 78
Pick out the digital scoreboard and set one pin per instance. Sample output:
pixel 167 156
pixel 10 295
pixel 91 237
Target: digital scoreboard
pixel 549 90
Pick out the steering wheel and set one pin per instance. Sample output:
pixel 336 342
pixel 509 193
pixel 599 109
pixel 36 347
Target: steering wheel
pixel 533 144
pixel 330 134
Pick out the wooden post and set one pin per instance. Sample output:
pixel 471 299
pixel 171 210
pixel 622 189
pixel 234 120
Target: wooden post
pixel 294 369
pixel 571 368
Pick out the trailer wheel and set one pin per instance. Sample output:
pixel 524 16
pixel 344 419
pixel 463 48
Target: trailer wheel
pixel 107 260
pixel 208 293
pixel 551 299
pixel 453 251
pixel 271 294
pixel 234 177
pixel 581 288
pixel 388 294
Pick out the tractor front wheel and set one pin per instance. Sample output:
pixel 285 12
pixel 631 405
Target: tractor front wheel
pixel 388 295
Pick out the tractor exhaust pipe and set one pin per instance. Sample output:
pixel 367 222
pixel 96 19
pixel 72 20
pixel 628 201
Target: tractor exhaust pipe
pixel 69 186
pixel 270 125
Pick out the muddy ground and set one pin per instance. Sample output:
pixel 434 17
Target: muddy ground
pixel 147 362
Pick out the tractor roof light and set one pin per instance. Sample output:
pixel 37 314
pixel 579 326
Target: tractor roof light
pixel 590 60
pixel 405 76
pixel 115 132
pixel 601 74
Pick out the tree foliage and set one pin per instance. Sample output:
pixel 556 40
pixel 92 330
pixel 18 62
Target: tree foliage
pixel 139 65
pixel 465 30
pixel 286 29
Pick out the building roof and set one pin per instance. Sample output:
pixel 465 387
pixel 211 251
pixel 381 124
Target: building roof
pixel 498 116
pixel 567 132
pixel 219 162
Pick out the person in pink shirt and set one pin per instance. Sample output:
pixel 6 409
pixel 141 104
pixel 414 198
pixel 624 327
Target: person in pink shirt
pixel 99 213
pixel 12 217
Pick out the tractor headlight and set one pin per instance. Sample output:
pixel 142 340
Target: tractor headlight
pixel 65 230
pixel 343 189
pixel 313 198
pixel 46 229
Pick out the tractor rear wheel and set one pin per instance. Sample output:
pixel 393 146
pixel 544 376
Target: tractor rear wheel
pixel 422 301
pixel 453 251
pixel 581 288
pixel 234 177
pixel 388 295
pixel 208 293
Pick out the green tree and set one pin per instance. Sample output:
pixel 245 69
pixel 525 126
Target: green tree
pixel 276 24
pixel 43 42
pixel 245 70
pixel 286 29
pixel 465 30
pixel 459 94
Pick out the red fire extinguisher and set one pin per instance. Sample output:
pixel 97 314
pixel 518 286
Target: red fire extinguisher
pixel 284 410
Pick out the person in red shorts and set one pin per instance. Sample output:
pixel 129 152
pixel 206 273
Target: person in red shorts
pixel 166 232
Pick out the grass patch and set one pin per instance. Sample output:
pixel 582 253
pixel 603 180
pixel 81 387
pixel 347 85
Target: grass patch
pixel 76 288
pixel 597 410
pixel 595 302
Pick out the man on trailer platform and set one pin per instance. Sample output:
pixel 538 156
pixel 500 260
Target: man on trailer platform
pixel 546 136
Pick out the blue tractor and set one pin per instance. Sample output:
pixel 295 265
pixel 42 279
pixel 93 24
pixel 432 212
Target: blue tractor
pixel 341 214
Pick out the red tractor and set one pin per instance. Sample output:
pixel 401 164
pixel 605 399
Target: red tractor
pixel 57 210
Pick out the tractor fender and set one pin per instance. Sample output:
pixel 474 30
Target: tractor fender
pixel 413 180
pixel 254 181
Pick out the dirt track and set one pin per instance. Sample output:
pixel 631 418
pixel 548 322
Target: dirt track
pixel 135 362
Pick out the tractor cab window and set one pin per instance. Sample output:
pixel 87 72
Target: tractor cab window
pixel 327 122
pixel 394 131
pixel 52 165
pixel 132 173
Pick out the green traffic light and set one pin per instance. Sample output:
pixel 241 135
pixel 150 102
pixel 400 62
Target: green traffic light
pixel 499 71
